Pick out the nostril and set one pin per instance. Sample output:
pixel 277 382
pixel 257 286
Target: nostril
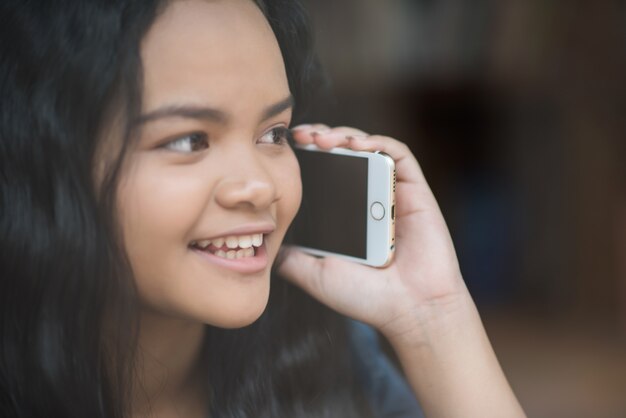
pixel 253 193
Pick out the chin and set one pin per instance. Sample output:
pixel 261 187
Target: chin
pixel 238 314
pixel 239 320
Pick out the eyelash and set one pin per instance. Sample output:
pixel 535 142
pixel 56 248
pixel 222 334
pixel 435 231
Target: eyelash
pixel 282 135
pixel 199 141
pixel 193 139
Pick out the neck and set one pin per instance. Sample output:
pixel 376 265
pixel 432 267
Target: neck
pixel 168 377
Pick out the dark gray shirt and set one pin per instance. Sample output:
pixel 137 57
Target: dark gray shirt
pixel 386 389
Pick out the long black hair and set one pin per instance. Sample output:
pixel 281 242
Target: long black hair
pixel 68 304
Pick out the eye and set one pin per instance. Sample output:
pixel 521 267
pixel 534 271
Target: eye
pixel 193 142
pixel 276 136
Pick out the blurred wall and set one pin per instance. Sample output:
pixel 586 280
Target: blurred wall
pixel 515 109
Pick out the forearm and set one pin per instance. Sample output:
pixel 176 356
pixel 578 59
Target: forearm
pixel 451 365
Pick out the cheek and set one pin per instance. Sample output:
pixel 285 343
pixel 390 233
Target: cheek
pixel 136 205
pixel 151 205
pixel 157 211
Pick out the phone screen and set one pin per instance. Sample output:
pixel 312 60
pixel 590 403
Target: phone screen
pixel 333 213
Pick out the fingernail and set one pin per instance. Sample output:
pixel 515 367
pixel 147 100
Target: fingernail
pixel 321 132
pixel 305 126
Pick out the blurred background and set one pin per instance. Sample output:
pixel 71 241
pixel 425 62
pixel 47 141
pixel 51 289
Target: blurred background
pixel 516 110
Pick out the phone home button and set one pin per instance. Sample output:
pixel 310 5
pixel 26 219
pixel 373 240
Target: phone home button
pixel 377 210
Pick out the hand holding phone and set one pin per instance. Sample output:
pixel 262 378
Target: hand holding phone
pixel 419 301
pixel 424 268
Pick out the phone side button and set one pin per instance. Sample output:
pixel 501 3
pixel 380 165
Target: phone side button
pixel 377 210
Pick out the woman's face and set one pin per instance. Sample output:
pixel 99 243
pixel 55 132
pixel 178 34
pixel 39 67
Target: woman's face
pixel 212 185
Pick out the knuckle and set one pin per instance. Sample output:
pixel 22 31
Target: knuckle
pixel 404 147
pixel 348 129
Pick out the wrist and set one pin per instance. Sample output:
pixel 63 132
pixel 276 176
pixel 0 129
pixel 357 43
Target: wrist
pixel 423 324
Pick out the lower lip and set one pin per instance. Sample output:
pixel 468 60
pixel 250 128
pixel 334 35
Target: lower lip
pixel 246 265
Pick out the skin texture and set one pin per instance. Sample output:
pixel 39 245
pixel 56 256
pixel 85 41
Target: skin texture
pixel 199 54
pixel 222 54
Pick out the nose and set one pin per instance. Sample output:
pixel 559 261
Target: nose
pixel 247 185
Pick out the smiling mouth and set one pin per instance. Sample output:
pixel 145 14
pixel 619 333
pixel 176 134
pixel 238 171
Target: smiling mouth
pixel 230 247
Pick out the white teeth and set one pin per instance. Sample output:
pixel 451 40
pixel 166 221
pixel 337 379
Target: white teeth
pixel 232 242
pixel 245 241
pixel 203 244
pixel 245 253
pixel 232 255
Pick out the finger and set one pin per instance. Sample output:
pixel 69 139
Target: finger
pixel 302 134
pixel 413 192
pixel 308 129
pixel 331 139
pixel 337 137
pixel 311 127
pixel 349 131
pixel 326 138
pixel 301 269
pixel 407 166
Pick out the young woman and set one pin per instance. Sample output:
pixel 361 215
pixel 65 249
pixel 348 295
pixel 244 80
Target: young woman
pixel 147 182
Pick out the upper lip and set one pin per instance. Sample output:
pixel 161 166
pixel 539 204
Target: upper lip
pixel 250 229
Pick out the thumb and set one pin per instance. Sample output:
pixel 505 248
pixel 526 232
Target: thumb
pixel 334 282
pixel 303 270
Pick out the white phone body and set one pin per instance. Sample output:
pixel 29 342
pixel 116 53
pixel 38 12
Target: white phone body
pixel 348 205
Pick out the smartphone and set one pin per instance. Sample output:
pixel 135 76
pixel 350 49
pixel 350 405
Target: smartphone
pixel 348 205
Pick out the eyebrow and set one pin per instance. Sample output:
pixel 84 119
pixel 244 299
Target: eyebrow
pixel 208 113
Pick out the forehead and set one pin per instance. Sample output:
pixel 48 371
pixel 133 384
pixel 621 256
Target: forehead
pixel 221 52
